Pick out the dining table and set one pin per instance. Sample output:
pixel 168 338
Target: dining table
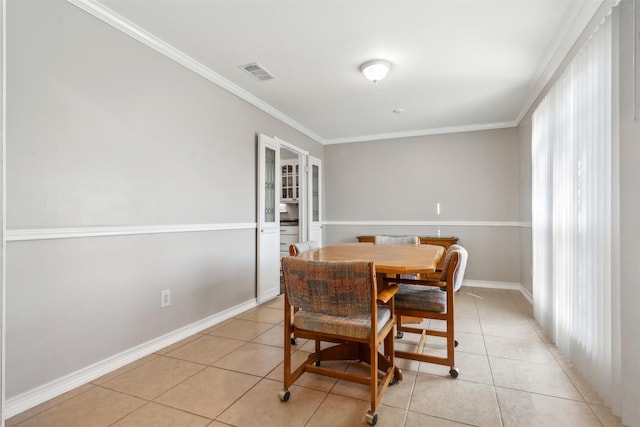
pixel 389 260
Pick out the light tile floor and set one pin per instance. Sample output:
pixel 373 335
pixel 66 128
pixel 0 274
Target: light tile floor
pixel 230 375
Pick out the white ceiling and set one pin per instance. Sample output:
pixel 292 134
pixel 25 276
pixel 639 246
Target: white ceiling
pixel 457 64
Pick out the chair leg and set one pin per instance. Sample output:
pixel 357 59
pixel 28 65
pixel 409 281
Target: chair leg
pixel 317 352
pixel 372 416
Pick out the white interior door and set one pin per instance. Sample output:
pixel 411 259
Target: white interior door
pixel 314 180
pixel 268 257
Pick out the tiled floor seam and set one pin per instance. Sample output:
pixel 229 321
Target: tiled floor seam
pixel 406 410
pixel 49 408
pixel 234 402
pixel 493 380
pixel 125 416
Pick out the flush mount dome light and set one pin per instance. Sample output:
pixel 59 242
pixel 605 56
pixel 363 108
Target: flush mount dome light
pixel 376 69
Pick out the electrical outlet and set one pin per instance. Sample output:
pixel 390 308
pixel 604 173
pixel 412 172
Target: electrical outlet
pixel 165 298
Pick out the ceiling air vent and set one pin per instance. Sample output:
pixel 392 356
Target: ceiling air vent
pixel 258 72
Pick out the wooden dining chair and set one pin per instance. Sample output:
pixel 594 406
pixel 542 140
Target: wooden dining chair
pixel 427 299
pixel 339 303
pixel 298 248
pixel 294 250
pixel 399 240
pixel 396 240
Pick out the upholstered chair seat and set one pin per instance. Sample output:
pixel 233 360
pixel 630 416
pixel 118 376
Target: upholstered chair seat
pixel 357 325
pixel 423 298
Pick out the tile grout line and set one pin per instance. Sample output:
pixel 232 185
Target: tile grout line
pixel 493 380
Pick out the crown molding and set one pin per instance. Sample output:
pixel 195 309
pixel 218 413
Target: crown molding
pixel 559 55
pixel 554 61
pixel 102 12
pixel 421 132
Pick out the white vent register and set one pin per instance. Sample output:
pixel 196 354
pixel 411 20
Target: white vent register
pixel 258 72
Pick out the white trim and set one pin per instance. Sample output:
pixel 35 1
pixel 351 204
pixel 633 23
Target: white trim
pixel 580 26
pixel 291 147
pixel 48 391
pixel 16 235
pixel 493 285
pixel 26 234
pixel 434 223
pixel 526 293
pixel 421 132
pixel 499 285
pixel 110 17
pixel 3 249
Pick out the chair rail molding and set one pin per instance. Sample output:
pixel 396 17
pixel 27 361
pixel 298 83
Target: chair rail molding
pixel 435 223
pixel 24 234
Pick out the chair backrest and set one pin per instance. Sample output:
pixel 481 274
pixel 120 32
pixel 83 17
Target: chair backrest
pixel 337 288
pixel 461 266
pixel 298 248
pixel 396 240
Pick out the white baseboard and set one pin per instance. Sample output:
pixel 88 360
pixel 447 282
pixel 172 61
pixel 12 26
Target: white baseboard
pixel 500 285
pixel 525 292
pixel 38 395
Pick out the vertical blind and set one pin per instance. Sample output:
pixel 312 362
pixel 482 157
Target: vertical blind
pixel 573 285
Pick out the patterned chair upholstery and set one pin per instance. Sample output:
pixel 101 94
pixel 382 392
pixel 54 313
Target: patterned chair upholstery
pixel 294 250
pixel 433 300
pixel 461 267
pixel 396 240
pixel 339 303
pixel 298 248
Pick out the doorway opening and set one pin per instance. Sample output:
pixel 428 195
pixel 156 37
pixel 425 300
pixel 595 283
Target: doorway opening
pixel 292 197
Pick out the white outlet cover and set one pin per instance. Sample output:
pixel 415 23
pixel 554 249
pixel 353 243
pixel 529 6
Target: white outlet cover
pixel 165 298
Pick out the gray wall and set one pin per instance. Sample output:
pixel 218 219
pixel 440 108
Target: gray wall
pixel 629 126
pixel 2 210
pixel 474 176
pixel 524 190
pixel 103 131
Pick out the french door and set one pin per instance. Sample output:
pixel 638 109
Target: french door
pixel 314 216
pixel 268 239
pixel 269 188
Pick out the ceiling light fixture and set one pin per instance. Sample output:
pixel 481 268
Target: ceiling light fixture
pixel 375 70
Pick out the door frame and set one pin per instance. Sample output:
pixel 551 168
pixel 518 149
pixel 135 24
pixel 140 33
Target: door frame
pixel 268 233
pixel 302 186
pixel 315 228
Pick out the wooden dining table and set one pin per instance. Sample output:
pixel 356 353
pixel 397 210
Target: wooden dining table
pixel 388 259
